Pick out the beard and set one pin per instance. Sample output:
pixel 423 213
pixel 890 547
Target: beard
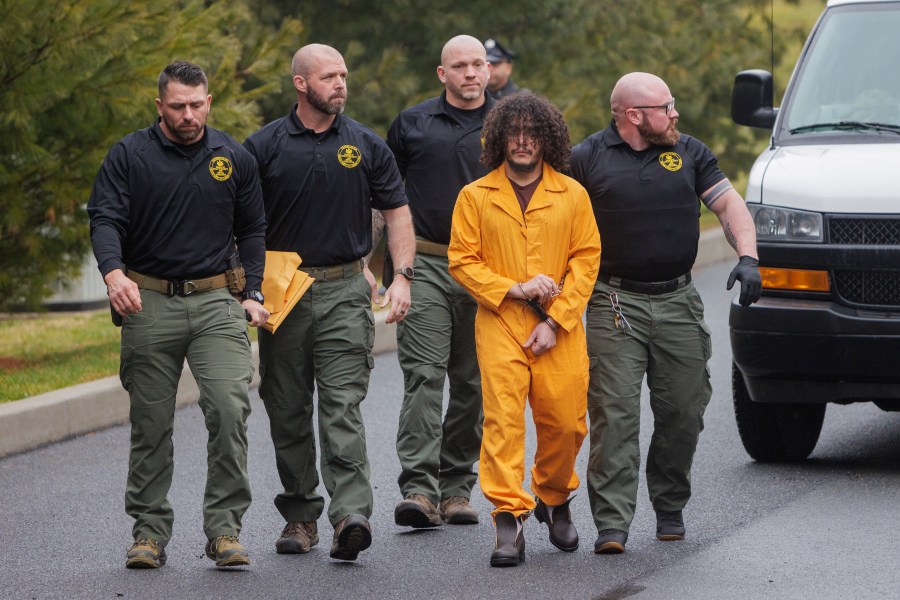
pixel 468 93
pixel 332 106
pixel 522 167
pixel 185 135
pixel 669 137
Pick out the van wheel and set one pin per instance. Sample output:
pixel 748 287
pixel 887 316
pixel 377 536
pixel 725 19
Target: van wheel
pixel 775 432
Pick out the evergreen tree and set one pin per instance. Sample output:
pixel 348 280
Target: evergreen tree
pixel 76 76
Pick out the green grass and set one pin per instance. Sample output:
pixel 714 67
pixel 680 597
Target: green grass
pixel 45 352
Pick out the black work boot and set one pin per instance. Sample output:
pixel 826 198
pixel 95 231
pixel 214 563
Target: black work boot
pixel 510 550
pixel 611 541
pixel 559 522
pixel 669 525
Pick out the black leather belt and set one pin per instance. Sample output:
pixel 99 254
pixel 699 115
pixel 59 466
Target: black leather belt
pixel 335 272
pixel 651 288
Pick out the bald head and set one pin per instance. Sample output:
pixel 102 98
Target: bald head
pixel 636 89
pixel 461 44
pixel 464 71
pixel 307 57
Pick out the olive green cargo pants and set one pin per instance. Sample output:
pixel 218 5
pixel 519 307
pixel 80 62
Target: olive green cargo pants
pixel 670 342
pixel 323 345
pixel 436 341
pixel 209 329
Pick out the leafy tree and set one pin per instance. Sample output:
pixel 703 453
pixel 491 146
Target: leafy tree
pixel 573 51
pixel 76 76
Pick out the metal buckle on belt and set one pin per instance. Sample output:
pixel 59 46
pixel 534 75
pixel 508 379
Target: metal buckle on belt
pixel 181 288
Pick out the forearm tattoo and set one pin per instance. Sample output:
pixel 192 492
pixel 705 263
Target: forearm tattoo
pixel 729 235
pixel 378 224
pixel 716 192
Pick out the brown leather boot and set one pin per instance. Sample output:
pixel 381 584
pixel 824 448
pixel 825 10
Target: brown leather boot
pixel 456 510
pixel 559 522
pixel 510 550
pixel 417 511
pixel 297 537
pixel 352 535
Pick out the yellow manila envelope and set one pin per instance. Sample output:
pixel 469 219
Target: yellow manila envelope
pixel 283 286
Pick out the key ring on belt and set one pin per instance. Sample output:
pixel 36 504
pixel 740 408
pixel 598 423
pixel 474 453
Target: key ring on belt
pixel 619 319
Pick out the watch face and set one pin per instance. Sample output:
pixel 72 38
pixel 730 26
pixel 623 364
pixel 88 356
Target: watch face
pixel 254 295
pixel 407 272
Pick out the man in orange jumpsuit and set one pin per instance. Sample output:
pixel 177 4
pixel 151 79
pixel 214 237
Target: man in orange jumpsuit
pixel 525 244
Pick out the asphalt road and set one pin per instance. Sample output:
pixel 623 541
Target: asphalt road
pixel 822 529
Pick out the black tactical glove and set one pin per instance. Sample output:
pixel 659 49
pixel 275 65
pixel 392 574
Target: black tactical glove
pixel 747 272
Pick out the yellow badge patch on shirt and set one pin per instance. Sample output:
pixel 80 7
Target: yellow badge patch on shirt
pixel 670 161
pixel 349 156
pixel 220 168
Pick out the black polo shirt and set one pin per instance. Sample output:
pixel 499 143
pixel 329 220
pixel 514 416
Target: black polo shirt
pixel 319 189
pixel 175 214
pixel 646 203
pixel 438 151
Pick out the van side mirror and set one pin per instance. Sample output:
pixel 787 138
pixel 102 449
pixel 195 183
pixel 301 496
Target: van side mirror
pixel 751 99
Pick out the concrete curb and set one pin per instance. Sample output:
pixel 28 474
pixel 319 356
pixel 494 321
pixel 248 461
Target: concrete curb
pixel 61 414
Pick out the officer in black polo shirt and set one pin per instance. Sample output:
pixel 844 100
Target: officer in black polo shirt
pixel 322 174
pixel 645 316
pixel 438 146
pixel 167 207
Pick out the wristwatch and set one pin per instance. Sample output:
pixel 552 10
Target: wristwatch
pixel 252 295
pixel 407 272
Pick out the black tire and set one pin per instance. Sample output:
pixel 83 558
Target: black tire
pixel 775 432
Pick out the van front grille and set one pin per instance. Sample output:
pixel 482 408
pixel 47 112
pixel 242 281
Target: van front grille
pixel 867 231
pixel 873 288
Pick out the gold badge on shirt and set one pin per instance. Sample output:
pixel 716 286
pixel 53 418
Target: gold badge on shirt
pixel 220 168
pixel 670 161
pixel 349 156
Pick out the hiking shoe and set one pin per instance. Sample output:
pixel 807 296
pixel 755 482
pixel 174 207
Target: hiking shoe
pixel 416 511
pixel 297 537
pixel 352 535
pixel 669 525
pixel 611 541
pixel 145 554
pixel 456 510
pixel 227 551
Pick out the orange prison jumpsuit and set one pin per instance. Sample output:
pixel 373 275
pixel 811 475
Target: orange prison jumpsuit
pixel 492 247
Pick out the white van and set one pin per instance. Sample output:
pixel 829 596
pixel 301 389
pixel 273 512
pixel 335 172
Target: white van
pixel 825 198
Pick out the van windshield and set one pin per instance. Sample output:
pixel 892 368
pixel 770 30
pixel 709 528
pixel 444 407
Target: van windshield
pixel 849 80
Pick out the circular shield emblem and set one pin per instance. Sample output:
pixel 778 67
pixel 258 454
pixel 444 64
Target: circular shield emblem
pixel 349 156
pixel 220 168
pixel 670 161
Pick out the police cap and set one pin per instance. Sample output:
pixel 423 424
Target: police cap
pixel 497 52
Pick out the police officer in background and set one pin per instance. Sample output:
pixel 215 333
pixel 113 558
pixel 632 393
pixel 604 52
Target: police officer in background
pixel 166 209
pixel 438 145
pixel 644 178
pixel 500 83
pixel 322 174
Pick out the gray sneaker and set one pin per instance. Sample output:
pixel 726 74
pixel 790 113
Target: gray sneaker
pixel 417 511
pixel 669 525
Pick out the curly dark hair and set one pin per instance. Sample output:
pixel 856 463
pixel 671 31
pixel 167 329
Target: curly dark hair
pixel 533 114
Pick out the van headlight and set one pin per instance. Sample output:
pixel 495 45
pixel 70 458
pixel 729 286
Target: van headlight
pixel 777 224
